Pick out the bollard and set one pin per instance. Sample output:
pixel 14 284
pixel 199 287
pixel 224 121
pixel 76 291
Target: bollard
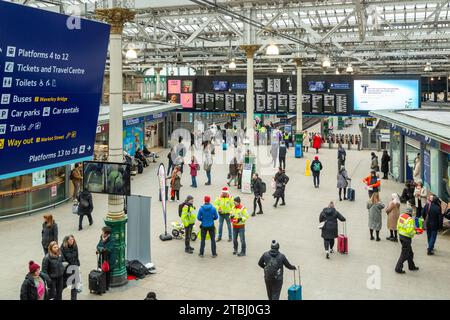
pixel 308 168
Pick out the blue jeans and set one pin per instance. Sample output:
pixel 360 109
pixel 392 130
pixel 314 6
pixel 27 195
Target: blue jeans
pixel 213 240
pixel 194 181
pixel 208 175
pixel 223 217
pixel 239 232
pixel 431 236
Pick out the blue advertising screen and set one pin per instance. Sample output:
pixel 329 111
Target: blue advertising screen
pixel 220 85
pixel 316 86
pixel 51 78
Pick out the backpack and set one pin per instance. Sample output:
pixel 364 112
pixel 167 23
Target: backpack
pixel 137 269
pixel 272 270
pixel 180 209
pixel 316 166
pixel 263 187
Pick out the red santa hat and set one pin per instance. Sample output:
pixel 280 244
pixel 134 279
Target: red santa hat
pixel 225 190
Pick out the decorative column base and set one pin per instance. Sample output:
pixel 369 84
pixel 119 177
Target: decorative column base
pixel 119 275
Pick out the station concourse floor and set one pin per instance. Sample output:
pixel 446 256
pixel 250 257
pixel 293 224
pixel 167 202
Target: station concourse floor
pixel 295 227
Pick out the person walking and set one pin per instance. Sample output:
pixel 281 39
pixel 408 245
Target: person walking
pixel 393 212
pixel 194 167
pixel 233 172
pixel 282 155
pixel 342 182
pixel 316 167
pixel 375 207
pixel 374 162
pixel 188 219
pixel 433 221
pixel 385 159
pixel 407 230
pixel 306 141
pixel 85 208
pixel 49 232
pixel 281 179
pixel 107 255
pixel 420 197
pixel 239 217
pixel 35 285
pixel 224 205
pixel 175 184
pixel 76 178
pixel 258 193
pixel 286 139
pixel 274 152
pixel 69 252
pixel 52 265
pixel 207 162
pixel 317 142
pixel 273 262
pixel 207 215
pixel 328 219
pixel 341 156
pixel 171 156
pixel 372 183
pixel 180 151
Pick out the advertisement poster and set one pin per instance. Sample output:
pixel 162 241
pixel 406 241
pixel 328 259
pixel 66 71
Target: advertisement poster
pixel 187 86
pixel 54 191
pixel 174 86
pixel 133 138
pixel 187 100
pixel 50 88
pixel 247 178
pixel 39 178
pixel 427 168
pixel 385 94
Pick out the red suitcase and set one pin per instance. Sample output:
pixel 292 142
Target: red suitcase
pixel 343 241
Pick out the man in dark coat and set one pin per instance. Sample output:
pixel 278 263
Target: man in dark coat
pixel 316 167
pixel 272 262
pixel 85 208
pixel 434 221
pixel 257 191
pixel 385 164
pixel 281 179
pixel 282 155
pixel 329 217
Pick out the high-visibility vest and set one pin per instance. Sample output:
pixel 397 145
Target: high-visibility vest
pixel 286 136
pixel 224 204
pixel 239 213
pixel 188 216
pixel 406 226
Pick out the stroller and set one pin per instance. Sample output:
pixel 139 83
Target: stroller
pixel 179 233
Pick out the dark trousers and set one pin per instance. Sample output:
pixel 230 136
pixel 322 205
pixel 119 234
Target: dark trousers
pixel 328 244
pixel 431 236
pixel 282 162
pixel 317 150
pixel 169 167
pixel 239 232
pixel 45 249
pixel 208 175
pixel 187 236
pixel 257 200
pixel 273 288
pixel 278 198
pixel 212 234
pixel 316 178
pixel 73 294
pixel 56 288
pixel 108 279
pixel 419 208
pixel 176 193
pixel 345 193
pixel 407 254
pixel 89 215
pixel 194 181
pixel 385 175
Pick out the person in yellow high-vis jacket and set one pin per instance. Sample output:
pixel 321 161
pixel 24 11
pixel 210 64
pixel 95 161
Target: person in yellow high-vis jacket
pixel 188 218
pixel 406 227
pixel 224 204
pixel 239 217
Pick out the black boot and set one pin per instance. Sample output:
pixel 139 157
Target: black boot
pixel 371 235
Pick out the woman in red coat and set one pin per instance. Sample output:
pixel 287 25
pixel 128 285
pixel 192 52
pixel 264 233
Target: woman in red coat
pixel 317 142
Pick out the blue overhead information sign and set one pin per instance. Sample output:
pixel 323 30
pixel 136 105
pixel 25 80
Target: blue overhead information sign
pixel 51 78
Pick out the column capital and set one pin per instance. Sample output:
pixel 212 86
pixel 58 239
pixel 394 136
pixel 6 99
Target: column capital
pixel 250 49
pixel 298 62
pixel 158 69
pixel 116 17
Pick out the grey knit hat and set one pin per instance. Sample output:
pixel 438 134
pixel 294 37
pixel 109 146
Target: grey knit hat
pixel 275 245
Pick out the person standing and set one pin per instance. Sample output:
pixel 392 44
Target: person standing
pixel 417 168
pixel 341 156
pixel 273 262
pixel 49 232
pixel 420 197
pixel 286 139
pixel 385 159
pixel 374 162
pixel 207 215
pixel 317 142
pixel 175 184
pixel 188 219
pixel 316 167
pixel 239 217
pixel 329 218
pixel 393 212
pixel 281 179
pixel 434 221
pixel 194 167
pixel 180 151
pixel 76 178
pixel 407 230
pixel 85 208
pixel 375 207
pixel 106 251
pixel 207 162
pixel 52 265
pixel 342 182
pixel 233 172
pixel 274 153
pixel 35 285
pixel 372 183
pixel 306 141
pixel 258 193
pixel 282 155
pixel 224 205
pixel 171 156
pixel 69 252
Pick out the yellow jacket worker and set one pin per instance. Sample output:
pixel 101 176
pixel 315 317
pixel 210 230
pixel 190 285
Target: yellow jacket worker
pixel 239 217
pixel 224 205
pixel 406 229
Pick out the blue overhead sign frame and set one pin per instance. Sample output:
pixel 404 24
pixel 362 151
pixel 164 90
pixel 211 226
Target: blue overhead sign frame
pixel 51 79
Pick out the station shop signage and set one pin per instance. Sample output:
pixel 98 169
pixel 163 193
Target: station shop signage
pixel 416 136
pixel 51 80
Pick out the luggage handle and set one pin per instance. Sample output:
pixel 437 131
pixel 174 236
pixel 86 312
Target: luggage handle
pixel 295 278
pixel 345 228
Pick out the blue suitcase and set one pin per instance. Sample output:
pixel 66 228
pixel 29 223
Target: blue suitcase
pixel 224 146
pixel 295 291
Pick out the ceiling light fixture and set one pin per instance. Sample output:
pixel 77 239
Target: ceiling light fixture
pixel 337 71
pixel 272 50
pixel 232 64
pixel 131 52
pixel 349 68
pixel 326 63
pixel 223 70
pixel 279 69
pixel 428 67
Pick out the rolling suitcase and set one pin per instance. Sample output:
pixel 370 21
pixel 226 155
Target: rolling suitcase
pixel 295 291
pixel 224 146
pixel 350 193
pixel 343 241
pixel 97 282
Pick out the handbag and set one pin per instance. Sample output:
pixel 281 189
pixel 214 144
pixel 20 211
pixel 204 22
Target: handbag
pixel 322 224
pixel 75 208
pixel 105 266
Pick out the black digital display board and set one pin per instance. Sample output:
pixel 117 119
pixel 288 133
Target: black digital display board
pixel 229 102
pixel 271 103
pixel 259 85
pixel 316 103
pixel 341 103
pixel 209 101
pixel 199 101
pixel 283 102
pixel 306 103
pixel 292 102
pixel 260 102
pixel 328 103
pixel 239 102
pixel 220 101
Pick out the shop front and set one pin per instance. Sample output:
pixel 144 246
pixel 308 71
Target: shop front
pixel 154 131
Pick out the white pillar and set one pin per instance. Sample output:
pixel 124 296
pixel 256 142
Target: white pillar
pixel 158 82
pixel 299 123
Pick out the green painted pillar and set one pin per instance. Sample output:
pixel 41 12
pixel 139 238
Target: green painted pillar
pixel 119 274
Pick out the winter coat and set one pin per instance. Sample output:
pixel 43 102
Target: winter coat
pixel 28 291
pixel 176 185
pixel 49 234
pixel 342 178
pixel 233 169
pixel 372 182
pixel 375 218
pixel 433 216
pixel 393 212
pixel 281 179
pixel 274 150
pixel 53 266
pixel 317 142
pixel 417 169
pixel 385 162
pixel 330 228
pixel 257 187
pixel 280 261
pixel 193 167
pixel 206 215
pixel 341 154
pixel 70 255
pixel 374 164
pixel 107 252
pixel 312 166
pixel 306 141
pixel 420 194
pixel 85 197
pixel 282 152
